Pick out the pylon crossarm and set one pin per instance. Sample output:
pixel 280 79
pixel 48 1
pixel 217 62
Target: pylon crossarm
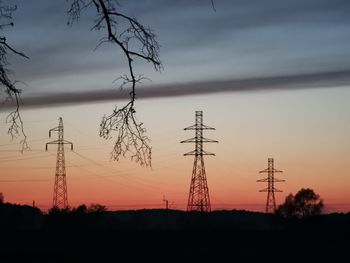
pixel 264 190
pixel 192 127
pixel 263 180
pixel 47 144
pixel 202 153
pixel 205 127
pixel 208 140
pixel 53 129
pixel 270 190
pixel 190 153
pixel 54 142
pixel 198 127
pixel 278 180
pixel 189 140
pixel 207 153
pixel 264 171
pixel 276 190
pixel 59 142
pixel 67 142
pixel 193 140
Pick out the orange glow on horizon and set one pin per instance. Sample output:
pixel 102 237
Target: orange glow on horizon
pixel 306 143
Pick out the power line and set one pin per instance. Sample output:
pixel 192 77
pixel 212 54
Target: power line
pixel 11 144
pixel 24 180
pixel 22 159
pixel 139 181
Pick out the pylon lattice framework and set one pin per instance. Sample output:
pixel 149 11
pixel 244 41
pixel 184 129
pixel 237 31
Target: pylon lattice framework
pixel 60 195
pixel 198 199
pixel 270 170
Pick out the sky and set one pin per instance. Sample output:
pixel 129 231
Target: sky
pixel 272 78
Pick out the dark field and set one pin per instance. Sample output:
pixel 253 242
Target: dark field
pixel 27 235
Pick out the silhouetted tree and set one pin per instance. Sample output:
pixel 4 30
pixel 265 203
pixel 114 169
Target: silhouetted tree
pixel 82 209
pixel 137 42
pixel 288 208
pixel 56 210
pixel 305 203
pixel 308 202
pixel 1 198
pixel 7 85
pixel 97 208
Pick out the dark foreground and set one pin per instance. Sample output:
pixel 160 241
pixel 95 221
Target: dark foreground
pixel 27 235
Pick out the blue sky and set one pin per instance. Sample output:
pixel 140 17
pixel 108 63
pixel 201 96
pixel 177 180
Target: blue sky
pixel 241 40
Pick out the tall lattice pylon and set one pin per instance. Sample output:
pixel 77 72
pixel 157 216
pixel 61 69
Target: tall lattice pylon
pixel 270 170
pixel 198 199
pixel 60 195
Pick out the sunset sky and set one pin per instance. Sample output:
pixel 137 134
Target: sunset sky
pixel 272 78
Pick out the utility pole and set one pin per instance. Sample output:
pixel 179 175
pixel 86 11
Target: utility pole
pixel 270 170
pixel 60 196
pixel 166 203
pixel 198 199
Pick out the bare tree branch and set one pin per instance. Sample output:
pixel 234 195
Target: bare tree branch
pixel 213 6
pixel 16 127
pixel 137 42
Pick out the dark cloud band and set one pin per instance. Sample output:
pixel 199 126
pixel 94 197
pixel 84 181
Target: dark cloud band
pixel 306 81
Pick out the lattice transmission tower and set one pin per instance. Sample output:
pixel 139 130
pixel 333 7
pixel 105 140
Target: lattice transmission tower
pixel 60 195
pixel 198 199
pixel 271 180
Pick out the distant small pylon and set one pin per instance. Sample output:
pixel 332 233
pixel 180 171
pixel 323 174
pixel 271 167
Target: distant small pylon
pixel 270 170
pixel 166 201
pixel 60 194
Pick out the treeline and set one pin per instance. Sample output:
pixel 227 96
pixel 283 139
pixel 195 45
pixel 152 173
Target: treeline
pixel 299 209
pixel 14 216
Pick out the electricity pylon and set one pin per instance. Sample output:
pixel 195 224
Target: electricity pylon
pixel 270 170
pixel 60 195
pixel 198 199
